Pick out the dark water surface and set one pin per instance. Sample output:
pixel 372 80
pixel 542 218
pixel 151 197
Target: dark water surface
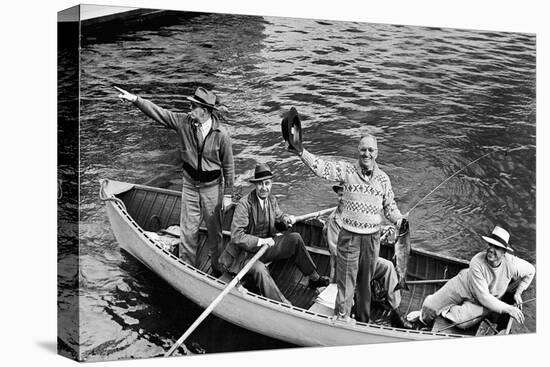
pixel 437 99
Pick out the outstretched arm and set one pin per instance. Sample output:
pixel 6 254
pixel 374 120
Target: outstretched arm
pixel 161 115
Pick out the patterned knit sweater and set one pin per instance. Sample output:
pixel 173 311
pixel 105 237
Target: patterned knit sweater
pixel 365 199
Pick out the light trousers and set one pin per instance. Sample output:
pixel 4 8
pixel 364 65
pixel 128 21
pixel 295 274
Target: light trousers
pixel 198 205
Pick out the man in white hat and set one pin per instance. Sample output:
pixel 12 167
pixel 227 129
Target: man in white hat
pixel 208 168
pixel 254 226
pixel 477 290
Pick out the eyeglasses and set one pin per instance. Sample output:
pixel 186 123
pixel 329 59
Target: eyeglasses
pixel 370 150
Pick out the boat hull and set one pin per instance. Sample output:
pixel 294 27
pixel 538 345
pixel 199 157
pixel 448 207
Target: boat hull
pixel 243 308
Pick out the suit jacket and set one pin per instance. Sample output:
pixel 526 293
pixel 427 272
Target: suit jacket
pixel 244 241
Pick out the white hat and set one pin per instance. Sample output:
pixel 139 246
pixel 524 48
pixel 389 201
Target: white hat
pixel 499 238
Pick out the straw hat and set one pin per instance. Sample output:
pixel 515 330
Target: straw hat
pixel 499 237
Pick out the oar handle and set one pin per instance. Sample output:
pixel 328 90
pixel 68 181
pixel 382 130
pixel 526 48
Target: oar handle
pixel 301 218
pixel 427 281
pixel 218 299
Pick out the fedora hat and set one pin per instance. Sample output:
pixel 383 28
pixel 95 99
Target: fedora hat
pixel 291 128
pixel 499 237
pixel 204 97
pixel 261 172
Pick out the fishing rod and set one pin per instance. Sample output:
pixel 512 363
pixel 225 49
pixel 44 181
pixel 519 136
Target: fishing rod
pixel 448 178
pixel 477 317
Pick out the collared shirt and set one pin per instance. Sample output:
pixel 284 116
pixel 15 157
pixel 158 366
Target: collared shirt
pixel 218 153
pixel 206 126
pixel 262 201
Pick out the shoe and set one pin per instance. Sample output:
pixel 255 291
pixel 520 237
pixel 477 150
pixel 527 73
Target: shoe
pixel 216 273
pixel 413 316
pixel 343 319
pixel 321 282
pixel 399 321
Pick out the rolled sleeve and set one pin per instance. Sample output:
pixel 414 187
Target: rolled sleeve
pixel 524 271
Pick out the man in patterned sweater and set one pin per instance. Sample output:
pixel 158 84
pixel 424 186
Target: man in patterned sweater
pixel 367 196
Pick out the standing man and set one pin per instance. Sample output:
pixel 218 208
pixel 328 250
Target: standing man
pixel 366 197
pixel 477 290
pixel 384 274
pixel 208 169
pixel 254 226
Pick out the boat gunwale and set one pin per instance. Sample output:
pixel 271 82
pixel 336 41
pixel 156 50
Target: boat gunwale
pixel 257 299
pixel 446 258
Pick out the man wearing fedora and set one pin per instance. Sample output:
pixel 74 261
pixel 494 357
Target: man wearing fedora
pixel 478 289
pixel 208 168
pixel 253 226
pixel 384 277
pixel 367 197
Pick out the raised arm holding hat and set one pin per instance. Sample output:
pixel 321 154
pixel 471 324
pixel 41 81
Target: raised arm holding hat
pixel 478 289
pixel 208 167
pixel 367 196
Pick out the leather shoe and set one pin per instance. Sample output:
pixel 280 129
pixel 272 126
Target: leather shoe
pixel 321 282
pixel 399 321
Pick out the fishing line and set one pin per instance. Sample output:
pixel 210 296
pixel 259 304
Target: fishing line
pixel 447 179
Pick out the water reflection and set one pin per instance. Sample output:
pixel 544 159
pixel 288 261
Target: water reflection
pixel 436 98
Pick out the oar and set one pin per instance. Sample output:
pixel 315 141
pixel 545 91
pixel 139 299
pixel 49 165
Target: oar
pixel 477 317
pixel 301 218
pixel 427 281
pixel 218 299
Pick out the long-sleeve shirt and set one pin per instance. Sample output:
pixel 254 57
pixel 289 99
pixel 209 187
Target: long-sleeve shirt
pixel 487 284
pixel 202 163
pixel 365 199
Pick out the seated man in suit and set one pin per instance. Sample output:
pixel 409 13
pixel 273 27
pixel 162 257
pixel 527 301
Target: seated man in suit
pixel 253 226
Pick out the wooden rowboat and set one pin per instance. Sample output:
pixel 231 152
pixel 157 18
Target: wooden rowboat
pixel 135 211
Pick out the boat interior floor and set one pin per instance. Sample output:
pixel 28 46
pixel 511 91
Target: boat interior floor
pixel 294 285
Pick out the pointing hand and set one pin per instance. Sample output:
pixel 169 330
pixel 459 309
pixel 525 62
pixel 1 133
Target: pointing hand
pixel 125 95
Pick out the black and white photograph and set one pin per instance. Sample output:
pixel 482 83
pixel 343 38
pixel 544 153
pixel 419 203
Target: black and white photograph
pixel 277 182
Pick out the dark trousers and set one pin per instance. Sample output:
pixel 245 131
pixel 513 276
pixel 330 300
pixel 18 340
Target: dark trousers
pixel 289 245
pixel 357 255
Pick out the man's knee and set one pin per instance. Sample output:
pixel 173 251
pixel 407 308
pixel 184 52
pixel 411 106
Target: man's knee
pixel 383 265
pixel 258 271
pixel 429 310
pixel 295 237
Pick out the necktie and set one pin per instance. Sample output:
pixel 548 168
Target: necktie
pixel 265 207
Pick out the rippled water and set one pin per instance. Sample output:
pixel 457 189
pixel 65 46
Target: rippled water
pixel 436 99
